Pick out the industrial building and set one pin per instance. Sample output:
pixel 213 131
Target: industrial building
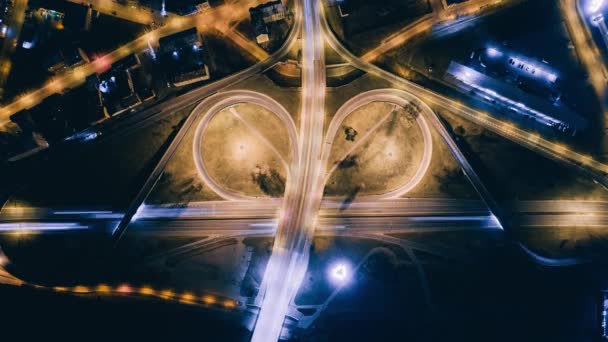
pixel 514 100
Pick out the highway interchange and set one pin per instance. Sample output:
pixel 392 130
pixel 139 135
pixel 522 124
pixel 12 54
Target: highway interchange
pixel 304 212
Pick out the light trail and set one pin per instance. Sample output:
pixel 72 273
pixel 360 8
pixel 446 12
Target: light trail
pixel 252 217
pixel 207 300
pixel 304 190
pixel 362 139
pixel 390 96
pixel 214 105
pixel 30 227
pixel 587 51
pixel 263 139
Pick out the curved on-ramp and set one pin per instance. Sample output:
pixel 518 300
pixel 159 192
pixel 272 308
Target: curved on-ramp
pixel 394 96
pixel 216 103
pixel 219 102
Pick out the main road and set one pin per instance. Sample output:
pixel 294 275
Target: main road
pixel 267 209
pixel 304 190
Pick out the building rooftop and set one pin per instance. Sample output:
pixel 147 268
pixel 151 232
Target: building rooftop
pixel 265 14
pixel 122 87
pixel 181 56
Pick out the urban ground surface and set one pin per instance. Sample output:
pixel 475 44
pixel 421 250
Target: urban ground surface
pixel 304 170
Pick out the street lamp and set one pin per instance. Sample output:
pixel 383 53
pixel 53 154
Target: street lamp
pixel 339 273
pixel 595 5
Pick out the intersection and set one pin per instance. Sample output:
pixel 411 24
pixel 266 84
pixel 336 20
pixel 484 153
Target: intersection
pixel 304 211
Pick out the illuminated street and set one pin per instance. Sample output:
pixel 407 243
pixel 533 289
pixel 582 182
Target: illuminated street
pixel 304 170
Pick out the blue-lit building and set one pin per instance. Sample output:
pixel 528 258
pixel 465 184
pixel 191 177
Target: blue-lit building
pixel 514 100
pixel 529 74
